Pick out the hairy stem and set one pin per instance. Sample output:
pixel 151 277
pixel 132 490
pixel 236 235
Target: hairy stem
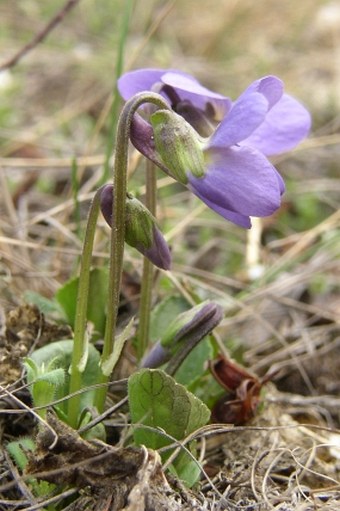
pixel 79 354
pixel 118 225
pixel 147 277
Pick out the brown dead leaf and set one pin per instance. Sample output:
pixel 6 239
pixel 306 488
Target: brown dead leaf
pixel 128 478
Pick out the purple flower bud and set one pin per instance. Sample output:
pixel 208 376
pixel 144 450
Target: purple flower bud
pixel 157 356
pixel 194 323
pixel 141 135
pixel 184 333
pixel 141 231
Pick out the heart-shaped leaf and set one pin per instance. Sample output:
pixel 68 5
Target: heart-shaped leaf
pixel 96 313
pixel 158 401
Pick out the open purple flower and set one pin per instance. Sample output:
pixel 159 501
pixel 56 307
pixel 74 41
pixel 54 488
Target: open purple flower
pixel 221 149
pixel 201 107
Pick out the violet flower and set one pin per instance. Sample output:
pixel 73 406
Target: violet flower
pixel 235 139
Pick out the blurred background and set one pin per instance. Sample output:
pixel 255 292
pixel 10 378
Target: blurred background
pixel 62 83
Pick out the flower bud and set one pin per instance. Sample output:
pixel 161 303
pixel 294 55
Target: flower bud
pixel 141 135
pixel 141 231
pixel 178 144
pixel 157 356
pixel 196 322
pixel 184 333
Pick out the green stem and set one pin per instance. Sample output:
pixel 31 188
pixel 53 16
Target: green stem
pixel 147 277
pixel 79 353
pixel 118 226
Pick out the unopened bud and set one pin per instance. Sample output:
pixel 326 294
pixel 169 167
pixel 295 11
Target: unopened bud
pixel 157 356
pixel 143 234
pixel 183 334
pixel 196 322
pixel 141 231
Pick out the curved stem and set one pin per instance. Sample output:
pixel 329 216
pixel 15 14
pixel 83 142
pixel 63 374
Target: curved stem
pixel 147 277
pixel 79 354
pixel 118 224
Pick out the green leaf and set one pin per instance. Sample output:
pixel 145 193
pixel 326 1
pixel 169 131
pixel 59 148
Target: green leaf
pixel 44 304
pixel 97 432
pixel 96 313
pixel 195 364
pixel 50 374
pixel 60 352
pixel 45 380
pixel 158 401
pixel 186 468
pixel 164 313
pixel 17 450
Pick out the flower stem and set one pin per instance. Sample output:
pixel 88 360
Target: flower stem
pixel 147 277
pixel 118 226
pixel 79 355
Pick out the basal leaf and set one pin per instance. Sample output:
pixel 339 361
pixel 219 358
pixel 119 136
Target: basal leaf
pixel 195 364
pixel 186 467
pixel 96 313
pixel 164 313
pixel 157 400
pixel 61 352
pixel 45 305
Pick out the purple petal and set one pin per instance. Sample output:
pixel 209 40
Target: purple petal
pixel 240 180
pixel 286 124
pixel 185 85
pixel 236 218
pixel 106 199
pixel 244 117
pixel 157 356
pixel 188 88
pixel 141 136
pixel 248 112
pixel 142 80
pixel 270 87
pixel 188 83
pixel 282 186
pixel 159 253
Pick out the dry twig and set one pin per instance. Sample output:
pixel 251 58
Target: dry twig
pixel 39 38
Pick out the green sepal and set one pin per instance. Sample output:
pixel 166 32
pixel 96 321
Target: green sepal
pixel 139 224
pixel 178 144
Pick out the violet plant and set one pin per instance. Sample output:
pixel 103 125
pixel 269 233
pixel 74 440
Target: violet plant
pixel 218 149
